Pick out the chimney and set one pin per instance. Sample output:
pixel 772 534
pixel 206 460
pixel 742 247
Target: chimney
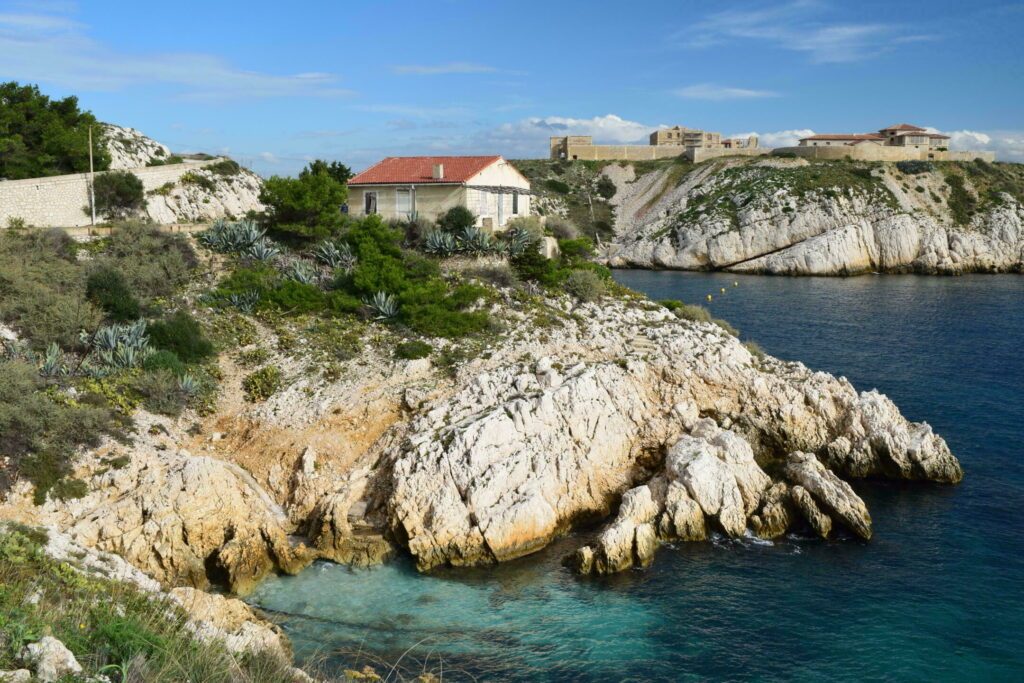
pixel 438 172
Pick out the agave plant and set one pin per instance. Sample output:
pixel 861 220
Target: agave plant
pixel 188 384
pixel 334 256
pixel 245 301
pixel 384 305
pixel 53 362
pixel 301 271
pixel 231 237
pixel 440 243
pixel 474 241
pixel 516 242
pixel 262 250
pixel 117 347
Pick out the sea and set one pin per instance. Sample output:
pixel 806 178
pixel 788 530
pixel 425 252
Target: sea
pixel 936 595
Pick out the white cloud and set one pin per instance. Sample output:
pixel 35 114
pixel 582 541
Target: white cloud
pixel 1007 144
pixel 52 48
pixel 779 138
pixel 718 93
pixel 444 69
pixel 795 26
pixel 605 129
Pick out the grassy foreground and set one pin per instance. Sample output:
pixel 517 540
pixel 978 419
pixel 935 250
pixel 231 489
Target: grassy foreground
pixel 112 628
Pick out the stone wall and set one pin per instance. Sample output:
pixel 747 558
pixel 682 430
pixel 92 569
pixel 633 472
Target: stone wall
pixel 623 152
pixel 882 153
pixel 699 154
pixel 63 201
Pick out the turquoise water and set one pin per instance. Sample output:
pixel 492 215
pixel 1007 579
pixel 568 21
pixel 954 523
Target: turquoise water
pixel 937 595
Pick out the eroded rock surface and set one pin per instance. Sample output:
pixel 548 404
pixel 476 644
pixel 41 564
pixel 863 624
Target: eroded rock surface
pixel 785 216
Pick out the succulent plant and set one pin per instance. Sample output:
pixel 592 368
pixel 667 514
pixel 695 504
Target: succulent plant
pixel 231 237
pixel 302 271
pixel 117 347
pixel 188 384
pixel 440 243
pixel 476 242
pixel 262 250
pixel 384 305
pixel 245 301
pixel 334 256
pixel 516 242
pixel 53 362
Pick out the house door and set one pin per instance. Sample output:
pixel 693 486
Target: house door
pixel 501 208
pixel 369 203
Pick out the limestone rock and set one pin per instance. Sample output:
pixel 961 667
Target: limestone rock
pixel 230 621
pixel 131 149
pixel 51 660
pixel 764 224
pixel 775 516
pixel 185 518
pixel 16 676
pixel 819 521
pixel 831 492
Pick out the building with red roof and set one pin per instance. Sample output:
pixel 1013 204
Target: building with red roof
pixel 403 188
pixel 899 135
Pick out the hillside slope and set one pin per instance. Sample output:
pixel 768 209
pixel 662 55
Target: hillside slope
pixel 791 216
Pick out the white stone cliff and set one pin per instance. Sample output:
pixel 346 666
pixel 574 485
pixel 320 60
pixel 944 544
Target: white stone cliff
pixel 753 216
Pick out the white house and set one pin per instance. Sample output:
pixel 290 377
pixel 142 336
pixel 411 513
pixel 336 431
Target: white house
pixel 406 187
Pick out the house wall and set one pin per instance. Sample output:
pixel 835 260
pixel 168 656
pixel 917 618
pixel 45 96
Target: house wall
pixel 62 201
pixel 430 201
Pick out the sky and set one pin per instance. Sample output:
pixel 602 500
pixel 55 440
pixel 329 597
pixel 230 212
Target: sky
pixel 276 84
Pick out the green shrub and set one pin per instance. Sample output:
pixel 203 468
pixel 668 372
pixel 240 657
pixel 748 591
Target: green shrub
pixel 557 186
pixel 161 392
pixel 579 249
pixel 456 219
pixel 40 430
pixel 154 264
pixel 293 296
pixel 181 334
pixel 173 159
pixel 262 384
pixel 305 207
pixel 69 489
pixel 107 289
pixel 531 225
pixel 691 312
pixel 164 360
pixel 962 203
pixel 335 169
pixel 16 223
pixel 606 187
pixel 224 167
pixel 199 180
pixel 585 285
pixel 413 350
pixel 119 194
pixel 914 166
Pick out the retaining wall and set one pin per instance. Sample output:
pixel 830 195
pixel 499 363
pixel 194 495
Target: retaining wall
pixel 63 201
pixel 882 153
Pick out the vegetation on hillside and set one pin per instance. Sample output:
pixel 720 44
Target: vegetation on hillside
pixel 307 207
pixel 43 137
pixel 119 195
pixel 576 187
pixel 89 318
pixel 112 628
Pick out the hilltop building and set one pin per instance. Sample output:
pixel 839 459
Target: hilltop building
pixel 665 143
pixel 896 143
pixel 402 188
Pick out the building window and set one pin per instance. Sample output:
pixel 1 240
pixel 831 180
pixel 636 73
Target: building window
pixel 403 201
pixel 515 203
pixel 369 203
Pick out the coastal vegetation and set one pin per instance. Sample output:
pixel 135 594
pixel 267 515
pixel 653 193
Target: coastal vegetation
pixel 44 137
pixel 119 195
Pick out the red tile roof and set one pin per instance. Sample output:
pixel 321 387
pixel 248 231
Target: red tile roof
pixel 922 132
pixel 417 170
pixel 845 136
pixel 903 126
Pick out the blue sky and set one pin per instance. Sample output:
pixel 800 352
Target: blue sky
pixel 275 84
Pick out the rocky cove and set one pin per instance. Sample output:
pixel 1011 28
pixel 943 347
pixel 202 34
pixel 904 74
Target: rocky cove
pixel 665 428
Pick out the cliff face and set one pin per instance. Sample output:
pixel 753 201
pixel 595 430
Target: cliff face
pixel 791 216
pixel 129 148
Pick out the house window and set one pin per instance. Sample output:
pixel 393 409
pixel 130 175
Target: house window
pixel 369 203
pixel 515 203
pixel 403 201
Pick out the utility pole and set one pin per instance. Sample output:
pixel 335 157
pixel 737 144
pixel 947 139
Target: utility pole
pixel 92 184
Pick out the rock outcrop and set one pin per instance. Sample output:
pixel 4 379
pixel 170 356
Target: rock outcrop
pixel 51 659
pixel 784 216
pixel 521 454
pixel 213 196
pixel 130 149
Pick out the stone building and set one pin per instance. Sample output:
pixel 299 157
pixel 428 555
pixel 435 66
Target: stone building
pixel 895 143
pixel 402 188
pixel 665 143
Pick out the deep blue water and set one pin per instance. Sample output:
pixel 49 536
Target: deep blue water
pixel 937 595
